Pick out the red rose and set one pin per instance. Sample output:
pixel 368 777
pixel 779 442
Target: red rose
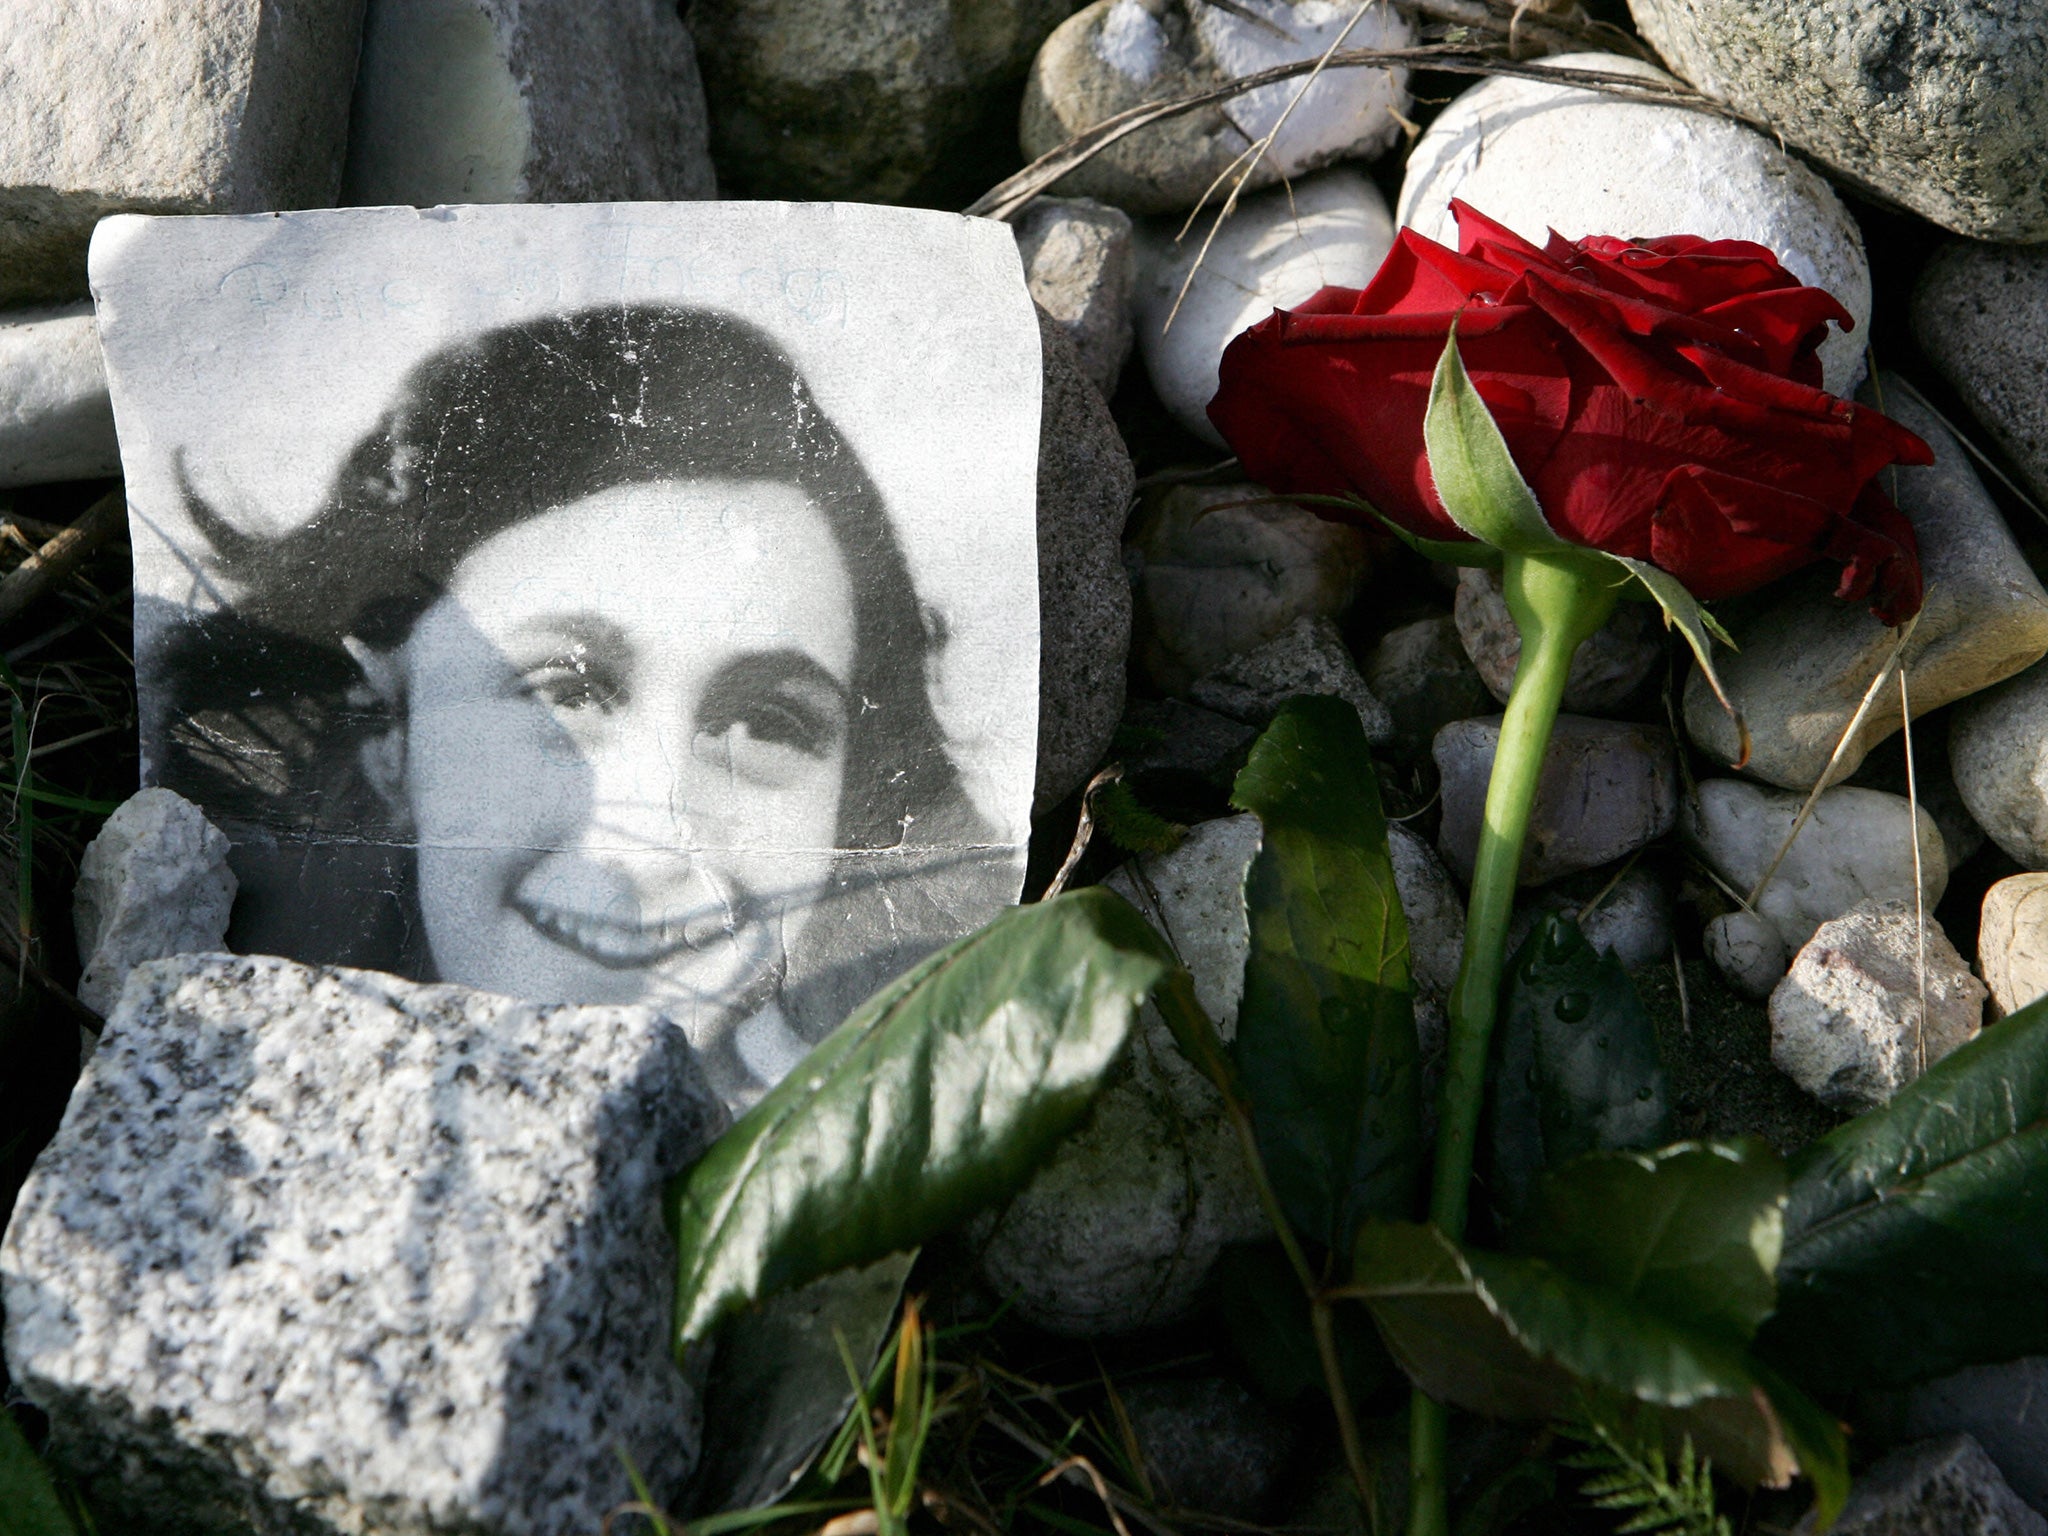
pixel 1661 397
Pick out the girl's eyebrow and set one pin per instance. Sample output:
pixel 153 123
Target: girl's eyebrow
pixel 773 669
pixel 580 631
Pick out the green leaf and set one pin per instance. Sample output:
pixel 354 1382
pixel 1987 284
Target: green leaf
pixel 1692 1231
pixel 940 1094
pixel 1701 629
pixel 1515 1337
pixel 1475 474
pixel 27 1492
pixel 1444 551
pixel 1575 1067
pixel 1917 1235
pixel 1325 1041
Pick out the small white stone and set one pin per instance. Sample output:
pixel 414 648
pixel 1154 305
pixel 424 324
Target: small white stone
pixel 1749 951
pixel 1422 674
pixel 1855 848
pixel 1435 910
pixel 1080 264
pixel 2012 942
pixel 330 1251
pixel 1536 157
pixel 154 883
pixel 1848 1023
pixel 1275 251
pixel 204 106
pixel 1998 753
pixel 1115 54
pixel 509 101
pixel 56 422
pixel 1805 659
pixel 1217 570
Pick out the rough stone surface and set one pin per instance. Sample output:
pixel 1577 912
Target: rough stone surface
pixel 154 883
pixel 1114 54
pixel 1421 673
pixel 1209 1444
pixel 1749 952
pixel 1631 921
pixel 863 99
pixel 1980 313
pixel 1214 577
pixel 56 422
pixel 1998 753
pixel 1538 157
pixel 223 106
pixel 526 101
pixel 323 1250
pixel 1306 657
pixel 1944 1487
pixel 1848 1023
pixel 1085 482
pixel 2012 942
pixel 1854 848
pixel 1605 672
pixel 1936 106
pixel 2003 1407
pixel 1122 1225
pixel 1805 659
pixel 1174 736
pixel 1081 266
pixel 1274 251
pixel 1435 909
pixel 1607 788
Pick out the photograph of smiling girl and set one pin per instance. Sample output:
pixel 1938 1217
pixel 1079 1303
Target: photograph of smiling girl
pixel 583 703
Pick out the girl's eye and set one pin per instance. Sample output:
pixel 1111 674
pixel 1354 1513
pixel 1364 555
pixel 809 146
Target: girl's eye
pixel 573 686
pixel 768 717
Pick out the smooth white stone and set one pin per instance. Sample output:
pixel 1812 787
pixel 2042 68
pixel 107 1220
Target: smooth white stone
pixel 1275 251
pixel 1537 157
pixel 56 422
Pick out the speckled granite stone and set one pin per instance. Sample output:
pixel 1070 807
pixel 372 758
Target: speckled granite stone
pixel 321 1250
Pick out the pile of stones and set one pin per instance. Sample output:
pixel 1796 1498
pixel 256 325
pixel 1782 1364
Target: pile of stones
pixel 1806 922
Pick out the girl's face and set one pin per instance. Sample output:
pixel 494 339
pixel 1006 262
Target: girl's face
pixel 626 738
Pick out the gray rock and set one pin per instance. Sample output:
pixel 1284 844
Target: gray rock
pixel 1538 156
pixel 1749 951
pixel 154 883
pixel 1630 918
pixel 1851 1024
pixel 2003 1407
pixel 1998 753
pixel 1606 671
pixel 861 99
pixel 1607 788
pixel 1208 1444
pixel 1307 657
pixel 1214 577
pixel 2012 942
pixel 1085 481
pixel 1854 849
pixel 1122 1225
pixel 1805 659
pixel 1945 1487
pixel 1279 248
pixel 1421 673
pixel 1938 107
pixel 1174 736
pixel 1115 54
pixel 1980 313
pixel 526 101
pixel 56 422
pixel 1435 909
pixel 1081 267
pixel 222 106
pixel 323 1250
pixel 1931 781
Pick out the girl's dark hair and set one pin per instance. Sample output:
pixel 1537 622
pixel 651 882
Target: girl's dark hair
pixel 497 429
pixel 263 715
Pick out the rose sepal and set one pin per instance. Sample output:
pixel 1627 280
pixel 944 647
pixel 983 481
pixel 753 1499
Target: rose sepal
pixel 1484 493
pixel 1472 552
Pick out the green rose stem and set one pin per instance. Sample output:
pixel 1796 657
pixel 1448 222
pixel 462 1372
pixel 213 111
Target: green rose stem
pixel 1559 598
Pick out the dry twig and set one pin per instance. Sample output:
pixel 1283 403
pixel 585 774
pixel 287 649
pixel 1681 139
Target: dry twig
pixel 61 555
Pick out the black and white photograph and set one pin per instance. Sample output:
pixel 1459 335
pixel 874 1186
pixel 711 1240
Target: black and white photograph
pixel 608 604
